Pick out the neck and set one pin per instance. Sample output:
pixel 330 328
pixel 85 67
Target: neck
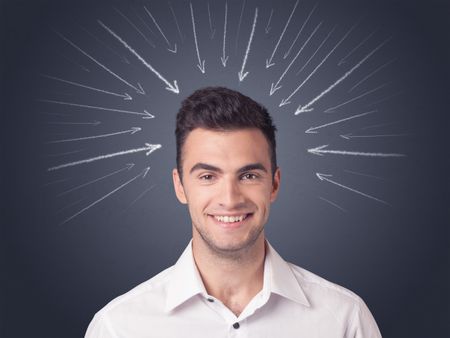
pixel 234 279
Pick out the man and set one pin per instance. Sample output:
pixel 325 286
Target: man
pixel 230 282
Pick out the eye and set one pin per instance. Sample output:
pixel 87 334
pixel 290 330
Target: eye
pixel 206 177
pixel 249 176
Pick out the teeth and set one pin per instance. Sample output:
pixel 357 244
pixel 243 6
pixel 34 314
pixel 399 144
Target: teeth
pixel 230 219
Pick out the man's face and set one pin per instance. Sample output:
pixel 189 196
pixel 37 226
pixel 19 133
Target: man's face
pixel 228 186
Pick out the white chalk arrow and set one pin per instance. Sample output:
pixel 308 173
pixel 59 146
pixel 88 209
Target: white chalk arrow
pixel 173 88
pixel 321 151
pixel 176 21
pixel 145 114
pixel 305 108
pixel 276 86
pixel 131 131
pixel 224 58
pixel 174 49
pixel 149 148
pixel 331 109
pixel 287 100
pixel 94 123
pixel 138 90
pixel 344 59
pixel 267 29
pixel 299 32
pixel 201 63
pixel 241 73
pixel 350 136
pixel 142 174
pixel 125 96
pixel 127 167
pixel 269 62
pixel 326 177
pixel 135 27
pixel 371 74
pixel 213 31
pixel 312 130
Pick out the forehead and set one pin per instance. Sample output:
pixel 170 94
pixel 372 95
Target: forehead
pixel 237 147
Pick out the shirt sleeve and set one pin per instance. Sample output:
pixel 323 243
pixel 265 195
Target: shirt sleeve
pixel 362 324
pixel 99 328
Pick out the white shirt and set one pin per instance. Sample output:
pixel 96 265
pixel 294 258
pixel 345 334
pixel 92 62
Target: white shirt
pixel 292 303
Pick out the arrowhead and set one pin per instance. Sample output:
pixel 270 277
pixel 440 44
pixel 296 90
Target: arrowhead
pixel 224 60
pixel 267 30
pixel 174 88
pixel 317 150
pixel 140 90
pixel 322 176
pixel 148 115
pixel 145 172
pixel 303 109
pixel 311 131
pixel 285 55
pixel 174 50
pixel 151 148
pixel 202 67
pixel 134 130
pixel 346 136
pixel 127 97
pixel 269 64
pixel 284 102
pixel 130 165
pixel 242 76
pixel 273 89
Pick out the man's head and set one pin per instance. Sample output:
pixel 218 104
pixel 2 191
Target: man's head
pixel 222 109
pixel 227 171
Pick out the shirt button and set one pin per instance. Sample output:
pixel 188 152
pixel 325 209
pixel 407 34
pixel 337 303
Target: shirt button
pixel 210 300
pixel 236 325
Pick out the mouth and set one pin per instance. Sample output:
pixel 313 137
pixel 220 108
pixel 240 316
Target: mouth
pixel 230 221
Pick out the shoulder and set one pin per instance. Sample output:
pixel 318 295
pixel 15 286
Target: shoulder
pixel 147 298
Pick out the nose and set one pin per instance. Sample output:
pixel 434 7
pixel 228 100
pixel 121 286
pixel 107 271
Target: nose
pixel 230 195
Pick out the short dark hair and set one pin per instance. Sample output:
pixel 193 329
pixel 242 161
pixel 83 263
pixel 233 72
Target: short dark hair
pixel 220 108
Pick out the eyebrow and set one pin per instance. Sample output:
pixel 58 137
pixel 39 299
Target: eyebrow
pixel 209 167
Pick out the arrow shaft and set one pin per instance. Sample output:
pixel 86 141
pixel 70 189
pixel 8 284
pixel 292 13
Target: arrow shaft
pixel 135 54
pixel 356 98
pixel 157 26
pixel 93 107
pixel 91 182
pixel 176 21
pixel 323 61
pixel 209 19
pixel 101 157
pixel 354 190
pixel 134 26
pixel 357 153
pixel 371 74
pixel 315 52
pixel 347 74
pixel 239 25
pixel 342 120
pixel 247 51
pixel 268 21
pixel 357 46
pixel 284 31
pixel 195 34
pixel 298 53
pixel 370 136
pixel 97 62
pixel 91 137
pixel 225 29
pixel 83 86
pixel 300 32
pixel 101 199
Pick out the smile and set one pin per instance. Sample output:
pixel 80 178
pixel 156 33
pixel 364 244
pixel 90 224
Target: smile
pixel 230 219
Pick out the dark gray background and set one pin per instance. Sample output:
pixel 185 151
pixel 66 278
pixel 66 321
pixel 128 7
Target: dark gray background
pixel 56 275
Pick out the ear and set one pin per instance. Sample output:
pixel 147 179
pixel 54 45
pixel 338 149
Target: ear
pixel 178 186
pixel 275 185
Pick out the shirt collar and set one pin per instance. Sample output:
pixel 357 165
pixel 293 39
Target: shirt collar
pixel 185 281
